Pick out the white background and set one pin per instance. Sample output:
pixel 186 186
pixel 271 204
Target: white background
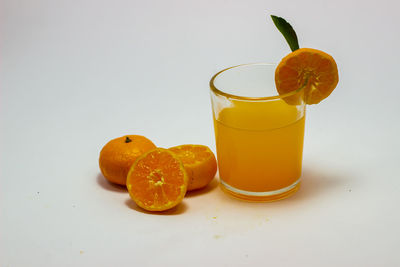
pixel 75 74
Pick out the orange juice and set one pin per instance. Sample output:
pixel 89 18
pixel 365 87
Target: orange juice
pixel 259 146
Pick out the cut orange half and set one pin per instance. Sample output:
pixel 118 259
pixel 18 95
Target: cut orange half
pixel 199 162
pixel 157 180
pixel 309 69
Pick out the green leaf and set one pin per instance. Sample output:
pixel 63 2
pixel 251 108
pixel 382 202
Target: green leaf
pixel 287 31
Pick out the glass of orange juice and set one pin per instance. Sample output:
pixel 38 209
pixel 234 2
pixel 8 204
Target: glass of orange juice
pixel 259 133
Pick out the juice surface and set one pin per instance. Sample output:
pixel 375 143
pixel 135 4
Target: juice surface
pixel 259 145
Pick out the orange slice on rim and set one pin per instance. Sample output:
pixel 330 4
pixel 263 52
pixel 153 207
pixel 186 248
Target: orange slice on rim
pixel 199 162
pixel 157 181
pixel 309 69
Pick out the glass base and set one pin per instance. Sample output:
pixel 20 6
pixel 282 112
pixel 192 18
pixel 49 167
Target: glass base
pixel 260 196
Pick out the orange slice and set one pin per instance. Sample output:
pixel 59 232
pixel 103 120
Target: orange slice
pixel 310 69
pixel 157 180
pixel 199 162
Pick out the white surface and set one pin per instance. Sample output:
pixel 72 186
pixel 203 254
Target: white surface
pixel 75 74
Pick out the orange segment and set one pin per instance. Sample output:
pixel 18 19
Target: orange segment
pixel 199 162
pixel 310 69
pixel 157 180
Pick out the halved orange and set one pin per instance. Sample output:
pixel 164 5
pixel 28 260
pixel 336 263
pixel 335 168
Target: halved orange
pixel 157 180
pixel 309 69
pixel 199 162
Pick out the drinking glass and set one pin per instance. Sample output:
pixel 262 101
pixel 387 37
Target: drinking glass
pixel 259 133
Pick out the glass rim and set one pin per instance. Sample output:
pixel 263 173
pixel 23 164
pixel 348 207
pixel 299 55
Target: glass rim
pixel 217 91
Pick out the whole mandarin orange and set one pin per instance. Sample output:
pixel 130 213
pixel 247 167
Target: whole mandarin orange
pixel 118 155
